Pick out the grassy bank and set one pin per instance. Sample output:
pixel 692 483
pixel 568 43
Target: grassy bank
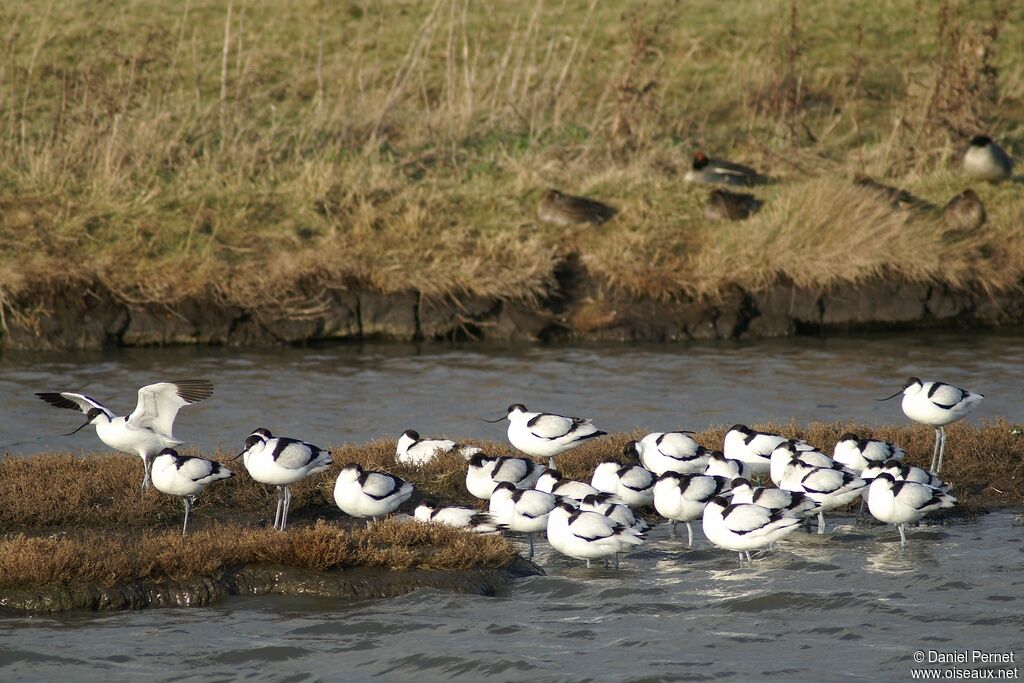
pixel 252 152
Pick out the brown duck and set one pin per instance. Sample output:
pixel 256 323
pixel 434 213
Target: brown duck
pixel 899 199
pixel 965 211
pixel 730 206
pixel 565 209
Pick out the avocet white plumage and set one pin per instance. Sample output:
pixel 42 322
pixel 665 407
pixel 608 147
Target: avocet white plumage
pixel 281 461
pixel 546 435
pixel 743 527
pixel 369 494
pixel 795 503
pixel 522 510
pixel 588 535
pixel 553 482
pixel 831 488
pixel 631 483
pixel 485 472
pixel 617 512
pixel 936 404
pixel 856 453
pixel 904 472
pixel 458 517
pixel 682 497
pixel 788 451
pixel 751 447
pixel 721 466
pixel 413 450
pixel 145 432
pixel 185 476
pixel 904 502
pixel 662 452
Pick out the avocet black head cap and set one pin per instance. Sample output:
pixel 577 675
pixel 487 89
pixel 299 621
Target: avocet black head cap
pixel 743 429
pixel 516 408
pixel 738 482
pixel 169 451
pixel 981 141
pixel 479 460
pixel 411 434
pixel 849 436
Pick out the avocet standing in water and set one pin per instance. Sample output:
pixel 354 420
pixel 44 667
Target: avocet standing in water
pixel 632 483
pixel 588 535
pixel 412 450
pixel 546 435
pixel 662 452
pixel 369 494
pixel 682 497
pixel 281 461
pixel 751 447
pixel 743 527
pixel 485 472
pixel 145 432
pixel 185 476
pixel 936 404
pixel 553 482
pixel 522 510
pixel 904 502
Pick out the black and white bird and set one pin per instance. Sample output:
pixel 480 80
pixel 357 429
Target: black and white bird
pixel 588 535
pixel 553 482
pixel 904 502
pixel 985 160
pixel 281 461
pixel 855 453
pixel 633 484
pixel 185 476
pixel 721 466
pixel 777 500
pixel 458 517
pixel 903 472
pixel 682 497
pixel 413 450
pixel 936 404
pixel 662 452
pixel 546 435
pixel 617 512
pixel 806 454
pixel 751 447
pixel 147 431
pixel 708 171
pixel 486 472
pixel 369 494
pixel 743 527
pixel 830 488
pixel 522 510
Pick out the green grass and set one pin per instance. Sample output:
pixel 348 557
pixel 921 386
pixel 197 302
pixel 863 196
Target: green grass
pixel 403 145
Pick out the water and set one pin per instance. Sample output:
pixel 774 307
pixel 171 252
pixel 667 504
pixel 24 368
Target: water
pixel 344 393
pixel 852 606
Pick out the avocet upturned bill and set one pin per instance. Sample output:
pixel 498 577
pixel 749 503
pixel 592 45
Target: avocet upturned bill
pixel 751 447
pixel 743 527
pixel 413 450
pixel 185 476
pixel 617 512
pixel 458 517
pixel 856 453
pixel 485 472
pixel 522 510
pixel 632 483
pixel 662 452
pixel 904 502
pixel 368 494
pixel 145 432
pixel 936 404
pixel 281 461
pixel 682 497
pixel 546 435
pixel 553 482
pixel 721 466
pixel 588 535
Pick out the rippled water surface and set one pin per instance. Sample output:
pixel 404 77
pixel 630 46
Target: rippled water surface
pixel 848 606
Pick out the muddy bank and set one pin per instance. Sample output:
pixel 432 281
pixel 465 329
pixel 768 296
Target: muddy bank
pixel 261 579
pixel 578 306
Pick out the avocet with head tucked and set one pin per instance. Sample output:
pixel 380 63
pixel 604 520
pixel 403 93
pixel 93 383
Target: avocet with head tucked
pixel 831 488
pixel 743 527
pixel 936 404
pixel 281 461
pixel 721 466
pixel 751 447
pixel 546 435
pixel 788 451
pixel 662 452
pixel 588 535
pixel 145 432
pixel 632 483
pixel 522 510
pixel 185 476
pixel 413 450
pixel 485 472
pixel 856 453
pixel 617 512
pixel 553 482
pixel 902 472
pixel 682 497
pixel 777 500
pixel 458 517
pixel 904 502
pixel 369 494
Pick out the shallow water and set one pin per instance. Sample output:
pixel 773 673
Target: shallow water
pixel 338 394
pixel 852 606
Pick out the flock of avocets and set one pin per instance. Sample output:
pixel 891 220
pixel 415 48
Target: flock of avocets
pixel 683 480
